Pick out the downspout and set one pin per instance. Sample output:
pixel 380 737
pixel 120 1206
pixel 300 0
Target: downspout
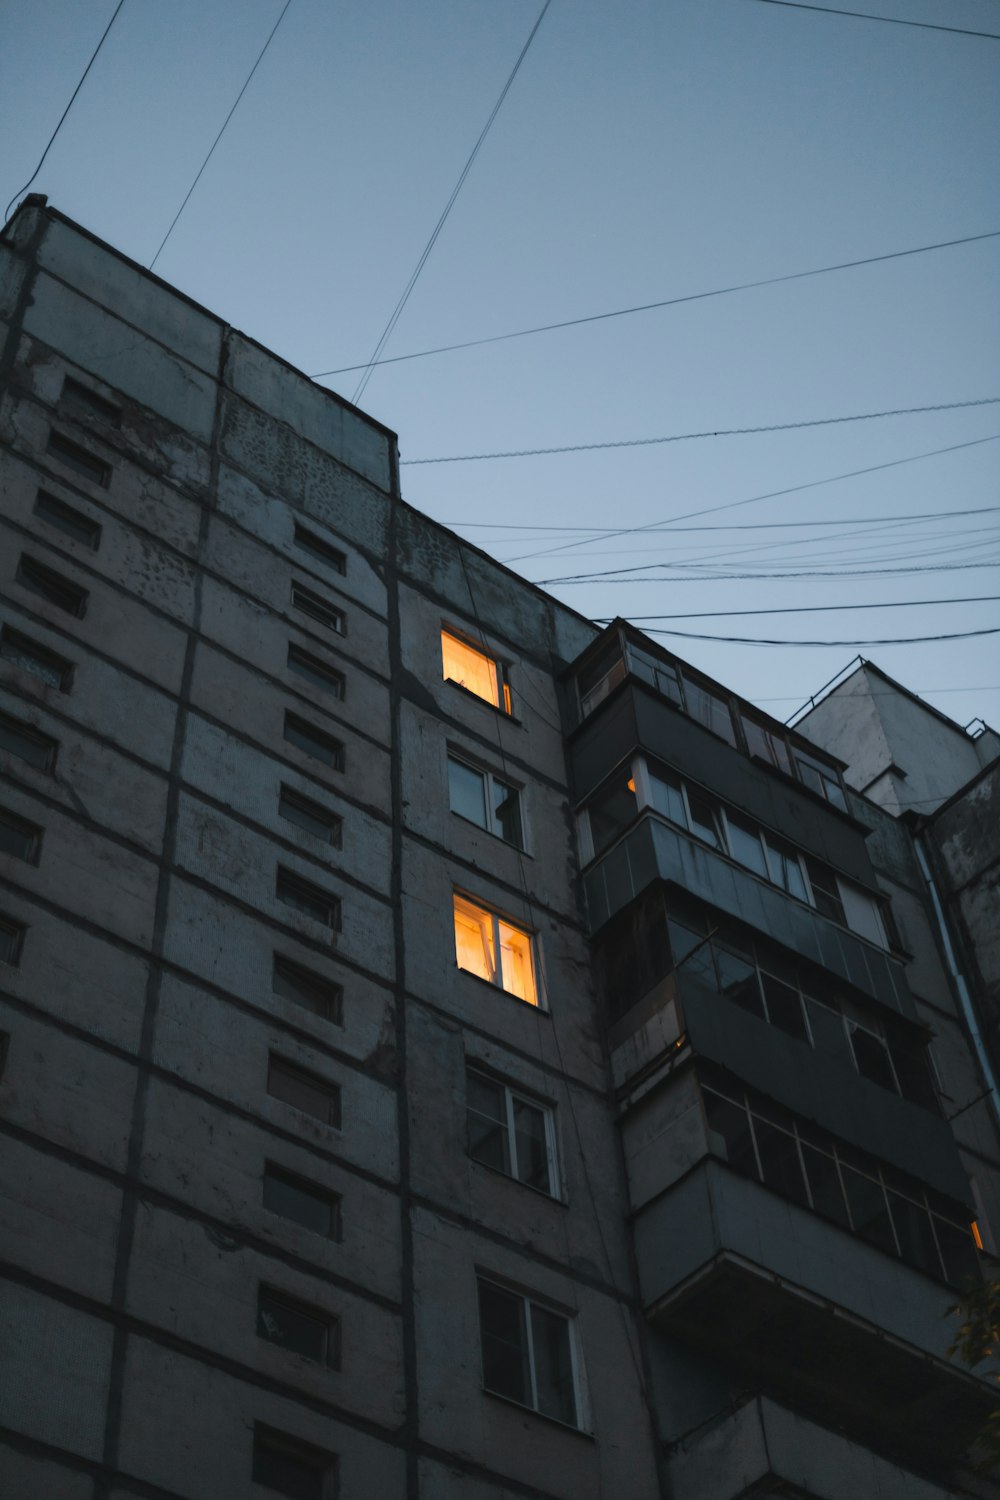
pixel 962 989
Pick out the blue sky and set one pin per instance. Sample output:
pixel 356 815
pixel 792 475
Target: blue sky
pixel 645 151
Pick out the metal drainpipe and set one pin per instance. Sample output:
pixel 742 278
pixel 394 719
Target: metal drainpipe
pixel 965 999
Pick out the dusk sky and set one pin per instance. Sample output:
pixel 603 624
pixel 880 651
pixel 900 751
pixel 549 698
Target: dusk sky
pixel 646 151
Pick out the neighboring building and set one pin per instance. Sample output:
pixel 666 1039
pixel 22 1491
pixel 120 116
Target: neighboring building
pixel 448 1050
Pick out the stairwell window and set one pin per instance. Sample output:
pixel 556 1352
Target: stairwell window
pixel 472 669
pixel 51 586
pixel 528 1353
pixel 494 949
pixel 317 608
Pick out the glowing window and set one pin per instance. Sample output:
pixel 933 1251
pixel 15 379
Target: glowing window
pixel 488 946
pixel 475 671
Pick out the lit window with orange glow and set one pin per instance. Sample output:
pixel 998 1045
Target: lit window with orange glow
pixel 475 671
pixel 495 950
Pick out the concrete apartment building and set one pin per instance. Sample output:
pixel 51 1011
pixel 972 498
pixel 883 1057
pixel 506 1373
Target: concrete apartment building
pixel 448 1050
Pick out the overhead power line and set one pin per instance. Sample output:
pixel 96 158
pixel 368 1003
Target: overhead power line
pixel 863 15
pixel 218 138
pixel 404 297
pixel 624 312
pixel 750 640
pixel 72 99
pixel 597 533
pixel 813 609
pixel 681 437
pixel 707 573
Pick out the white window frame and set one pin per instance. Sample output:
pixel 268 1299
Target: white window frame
pixel 546 1110
pixel 491 780
pixel 496 979
pixel 576 1363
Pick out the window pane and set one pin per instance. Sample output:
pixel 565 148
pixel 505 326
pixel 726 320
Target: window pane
pixel 913 1230
pixel 779 1160
pixel 310 815
pixel 317 608
pixel 302 1202
pixel 957 1251
pixel 826 893
pixel 301 895
pixel 709 710
pixel 36 659
pixel 52 586
pixel 612 810
pixel 703 822
pixel 827 1026
pixel 505 1343
pixel 784 1006
pixel 729 1132
pixel 784 867
pixel 27 743
pixel 869 1210
pixel 555 1394
pixel 486 1122
pixel 474 947
pixel 824 1184
pixel 314 742
pixel 507 812
pixel 531 1145
pixel 467 792
pixel 913 1071
pixel 320 549
pixel 517 968
pixel 292 1326
pixel 745 845
pixel 11 938
pixel 280 1464
pixel 871 1055
pixel 470 668
pixel 692 954
pixel 314 671
pixel 19 837
pixel 293 982
pixel 668 799
pixel 738 981
pixel 304 1091
pixel 67 519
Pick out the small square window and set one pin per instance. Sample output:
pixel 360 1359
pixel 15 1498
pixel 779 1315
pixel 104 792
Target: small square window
pixel 50 585
pixel 77 398
pixel 306 737
pixel 315 672
pixel 303 1090
pixel 303 1202
pixel 297 1327
pixel 312 816
pixel 472 669
pixel 317 608
pixel 35 659
pixel 528 1353
pixel 289 1467
pixel 18 837
pixel 11 941
pixel 485 799
pixel 27 743
pixel 496 950
pixel 510 1132
pixel 314 993
pixel 67 519
pixel 320 550
pixel 307 898
pixel 79 459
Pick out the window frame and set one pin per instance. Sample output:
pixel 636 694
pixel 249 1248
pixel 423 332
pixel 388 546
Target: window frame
pixel 332 1115
pixel 329 823
pixel 334 758
pixel 318 548
pixel 309 1189
pixel 327 1323
pixel 78 458
pixel 19 729
pixel 315 607
pixel 499 920
pixel 490 780
pixel 32 833
pixel 14 645
pixel 314 670
pixel 503 702
pixel 12 935
pixel 327 993
pixel 529 1302
pixel 324 1464
pixel 67 519
pixel 55 588
pixel 512 1092
pixel 290 880
pixel 79 399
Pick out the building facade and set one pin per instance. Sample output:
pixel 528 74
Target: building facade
pixel 448 1050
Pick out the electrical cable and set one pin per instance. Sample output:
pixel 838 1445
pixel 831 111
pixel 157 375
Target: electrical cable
pixel 218 138
pixel 861 15
pixel 65 112
pixel 680 437
pixel 709 510
pixel 747 640
pixel 623 312
pixel 404 297
pixel 705 575
pixel 666 528
pixel 811 609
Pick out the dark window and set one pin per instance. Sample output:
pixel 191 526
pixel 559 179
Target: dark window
pixel 27 743
pixel 39 661
pixel 305 897
pixel 509 1132
pixel 703 819
pixel 820 778
pixel 912 1067
pixel 656 673
pixel 294 982
pixel 826 893
pixel 784 866
pixel 292 1468
pixel 292 1325
pixel 75 457
pixel 729 1132
pixel 68 520
pixel 310 815
pixel 11 941
pixel 612 810
pixel 4 1049
pixel 869 1209
pixel 745 845
pixel 50 585
pixel 301 1201
pixel 526 1353
pixel 486 800
pixel 317 608
pixel 824 1184
pixel 871 1055
pixel 913 1230
pixel 784 1006
pixel 709 709
pixel 314 742
pixel 766 745
pixel 779 1160
pixel 326 678
pixel 322 551
pixel 668 798
pixel 738 981
pixel 304 1090
pixel 19 837
pixel 958 1252
pixel 81 398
